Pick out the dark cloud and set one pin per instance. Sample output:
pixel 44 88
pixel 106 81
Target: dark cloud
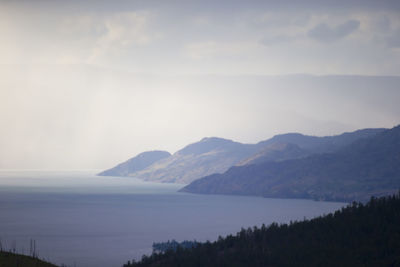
pixel 324 33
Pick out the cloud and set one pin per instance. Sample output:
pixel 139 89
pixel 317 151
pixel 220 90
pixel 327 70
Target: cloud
pixel 276 39
pixel 156 37
pixel 325 33
pixel 127 28
pixel 121 31
pixel 393 41
pixel 212 49
pixel 383 24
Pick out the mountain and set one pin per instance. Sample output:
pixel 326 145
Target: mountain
pixel 208 156
pixel 325 144
pixel 275 152
pixel 369 166
pixel 216 155
pixel 295 145
pixel 135 164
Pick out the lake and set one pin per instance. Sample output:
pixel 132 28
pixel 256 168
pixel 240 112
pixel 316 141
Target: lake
pixel 79 219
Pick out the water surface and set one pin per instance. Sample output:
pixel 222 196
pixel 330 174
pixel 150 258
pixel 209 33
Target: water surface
pixel 80 219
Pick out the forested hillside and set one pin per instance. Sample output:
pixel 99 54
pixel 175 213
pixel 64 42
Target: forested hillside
pixel 358 235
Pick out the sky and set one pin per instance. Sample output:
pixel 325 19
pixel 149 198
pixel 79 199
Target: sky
pixel 88 84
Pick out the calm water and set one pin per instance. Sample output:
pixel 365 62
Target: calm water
pixel 83 220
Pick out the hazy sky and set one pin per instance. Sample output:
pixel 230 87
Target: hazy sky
pixel 87 84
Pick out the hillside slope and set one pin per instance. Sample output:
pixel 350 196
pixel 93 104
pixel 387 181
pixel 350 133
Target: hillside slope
pixel 369 166
pixel 8 259
pixel 136 163
pixel 217 155
pixel 323 144
pixel 210 155
pixel 275 152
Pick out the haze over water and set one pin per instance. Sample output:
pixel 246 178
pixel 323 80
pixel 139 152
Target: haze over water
pixel 90 84
pixel 78 218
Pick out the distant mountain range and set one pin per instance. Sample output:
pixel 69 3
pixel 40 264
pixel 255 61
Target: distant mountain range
pixel 370 165
pixel 216 155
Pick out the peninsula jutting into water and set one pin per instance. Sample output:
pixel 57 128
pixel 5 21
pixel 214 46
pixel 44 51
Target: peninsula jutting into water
pixel 199 133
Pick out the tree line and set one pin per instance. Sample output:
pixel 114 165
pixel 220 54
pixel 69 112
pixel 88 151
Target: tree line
pixel 357 235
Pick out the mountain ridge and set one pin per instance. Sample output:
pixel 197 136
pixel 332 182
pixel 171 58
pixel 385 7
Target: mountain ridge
pixel 137 163
pixel 368 166
pixel 213 155
pixel 209 155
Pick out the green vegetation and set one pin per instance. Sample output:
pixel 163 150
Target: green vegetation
pixel 358 235
pixel 8 259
